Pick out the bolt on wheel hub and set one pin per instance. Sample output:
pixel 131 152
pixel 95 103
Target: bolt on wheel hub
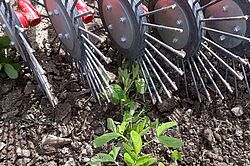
pixel 122 22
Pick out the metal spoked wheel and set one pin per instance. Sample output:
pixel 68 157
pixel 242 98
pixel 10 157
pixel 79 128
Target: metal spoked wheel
pixel 202 63
pixel 228 25
pixel 68 20
pixel 13 28
pixel 129 31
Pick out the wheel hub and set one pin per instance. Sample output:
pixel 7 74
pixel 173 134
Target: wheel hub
pixel 121 20
pixel 184 17
pixel 226 8
pixel 175 18
pixel 64 25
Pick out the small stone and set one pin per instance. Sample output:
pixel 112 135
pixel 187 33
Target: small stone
pixel 52 163
pixel 238 132
pixel 22 153
pixel 217 137
pixel 65 150
pixel 247 133
pixel 85 159
pixel 70 162
pixel 230 140
pixel 222 164
pixel 76 144
pixel 55 141
pixel 23 161
pixel 237 111
pixel 208 134
pixel 2 145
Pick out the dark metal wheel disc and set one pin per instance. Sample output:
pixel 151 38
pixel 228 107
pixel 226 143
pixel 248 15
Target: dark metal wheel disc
pixel 65 25
pixel 184 16
pixel 121 20
pixel 227 8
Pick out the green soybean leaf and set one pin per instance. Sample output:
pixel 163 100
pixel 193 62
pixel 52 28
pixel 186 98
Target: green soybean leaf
pixel 105 138
pixel 128 160
pixel 151 161
pixel 136 71
pixel 4 42
pixel 1 66
pixel 17 66
pixel 102 158
pixel 137 141
pixel 122 127
pixel 143 160
pixel 176 155
pixel 132 107
pixel 129 150
pixel 170 142
pixel 161 164
pixel 165 126
pixel 111 125
pixel 114 152
pixel 118 94
pixel 10 71
pixel 140 86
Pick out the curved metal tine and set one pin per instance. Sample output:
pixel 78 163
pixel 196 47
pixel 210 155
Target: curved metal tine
pixel 91 84
pixel 82 73
pixel 8 12
pixel 245 17
pixel 107 60
pixel 39 72
pixel 182 54
pixel 96 78
pixel 73 7
pixel 216 72
pixel 238 58
pixel 158 10
pixel 157 75
pixel 95 67
pixel 163 27
pixel 211 3
pixel 5 6
pixel 223 62
pixel 162 70
pixel 30 52
pixel 235 81
pixel 99 64
pixel 84 14
pixel 210 77
pixel 151 80
pixel 93 78
pixel 185 77
pixel 91 34
pixel 164 58
pixel 227 34
pixel 66 2
pixel 146 80
pixel 246 79
pixel 194 79
pixel 201 79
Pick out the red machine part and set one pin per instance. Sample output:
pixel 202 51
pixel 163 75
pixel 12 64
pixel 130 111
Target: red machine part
pixel 29 11
pixel 22 18
pixel 82 7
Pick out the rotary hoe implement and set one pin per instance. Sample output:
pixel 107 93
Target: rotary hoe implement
pixel 178 44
